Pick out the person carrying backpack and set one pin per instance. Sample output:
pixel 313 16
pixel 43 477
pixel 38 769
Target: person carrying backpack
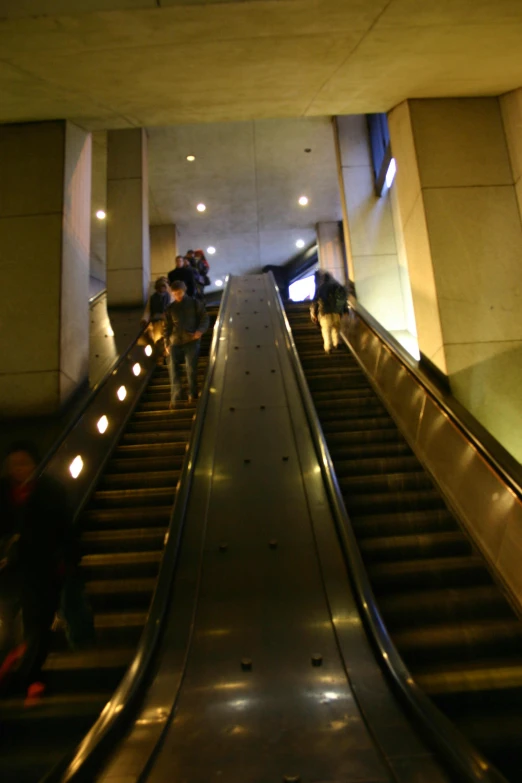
pixel 329 303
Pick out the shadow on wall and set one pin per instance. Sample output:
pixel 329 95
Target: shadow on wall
pixel 490 388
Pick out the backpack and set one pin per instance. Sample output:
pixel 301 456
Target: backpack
pixel 338 299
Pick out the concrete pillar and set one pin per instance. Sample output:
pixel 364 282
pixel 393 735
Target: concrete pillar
pixel 463 239
pixel 331 256
pixel 128 243
pixel 163 250
pixel 45 199
pixel 369 231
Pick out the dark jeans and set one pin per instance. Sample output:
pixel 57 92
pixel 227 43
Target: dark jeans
pixel 188 353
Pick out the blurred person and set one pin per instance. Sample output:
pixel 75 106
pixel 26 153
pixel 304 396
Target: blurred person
pixel 154 315
pixel 329 303
pixel 202 267
pixel 37 551
pixel 185 322
pixel 183 274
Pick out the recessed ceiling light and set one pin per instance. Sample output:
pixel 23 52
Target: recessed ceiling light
pixel 303 201
pixel 191 158
pixel 201 207
pixel 101 215
pixel 211 250
pixel 300 243
pixel 219 283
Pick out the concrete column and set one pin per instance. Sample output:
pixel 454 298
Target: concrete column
pixel 45 199
pixel 369 230
pixel 463 239
pixel 163 250
pixel 331 256
pixel 128 243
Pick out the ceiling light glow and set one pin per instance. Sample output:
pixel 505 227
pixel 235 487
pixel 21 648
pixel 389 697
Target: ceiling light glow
pixel 101 215
pixel 219 283
pixel 211 250
pixel 191 158
pixel 122 393
pixel 303 201
pixel 76 467
pixel 201 207
pixel 102 424
pixel 300 243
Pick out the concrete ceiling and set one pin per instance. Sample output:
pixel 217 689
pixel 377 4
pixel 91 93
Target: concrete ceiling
pixel 249 175
pixel 166 62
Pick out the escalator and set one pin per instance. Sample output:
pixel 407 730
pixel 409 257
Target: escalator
pixel 123 532
pixel 451 623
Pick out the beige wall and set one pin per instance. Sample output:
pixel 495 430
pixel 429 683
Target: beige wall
pixel 369 229
pixel 128 242
pixel 511 108
pixel 44 246
pixel 463 240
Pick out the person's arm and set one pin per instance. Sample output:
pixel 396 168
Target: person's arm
pixel 203 321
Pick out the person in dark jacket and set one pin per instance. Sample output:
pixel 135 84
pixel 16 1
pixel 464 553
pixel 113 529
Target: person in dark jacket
pixel 154 315
pixel 184 274
pixel 36 549
pixel 185 322
pixel 329 303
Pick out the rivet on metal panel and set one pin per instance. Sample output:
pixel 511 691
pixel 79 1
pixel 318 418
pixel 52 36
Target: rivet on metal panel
pixel 317 659
pixel 238 313
pixel 262 407
pixel 272 370
pixel 232 410
pixel 246 327
pixel 273 543
pixel 292 779
pixel 258 346
pixel 236 347
pixel 285 459
pixel 255 312
pixel 246 461
pixel 223 546
pixel 266 326
pixel 260 300
pixel 247 372
pixel 246 664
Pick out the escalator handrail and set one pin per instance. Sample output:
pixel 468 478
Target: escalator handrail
pixel 491 449
pixel 458 753
pixel 116 713
pixel 87 401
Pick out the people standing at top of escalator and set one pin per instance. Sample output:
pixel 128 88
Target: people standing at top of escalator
pixel 202 267
pixel 328 305
pixel 38 550
pixel 186 321
pixel 154 315
pixel 183 274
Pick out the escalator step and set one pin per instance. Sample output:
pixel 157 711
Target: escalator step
pixel 393 502
pixel 342 426
pixel 442 572
pixel 162 426
pixel 131 497
pixel 176 448
pixel 388 482
pixel 126 539
pixel 461 642
pixel 403 523
pixel 120 565
pixel 431 545
pixel 136 516
pixel 150 439
pixel 173 462
pixel 163 478
pixel 362 437
pixel 377 466
pixel 457 605
pixel 363 451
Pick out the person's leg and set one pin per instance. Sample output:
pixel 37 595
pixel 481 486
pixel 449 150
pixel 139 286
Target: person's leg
pixel 324 321
pixel 39 604
pixel 191 363
pixel 336 327
pixel 176 360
